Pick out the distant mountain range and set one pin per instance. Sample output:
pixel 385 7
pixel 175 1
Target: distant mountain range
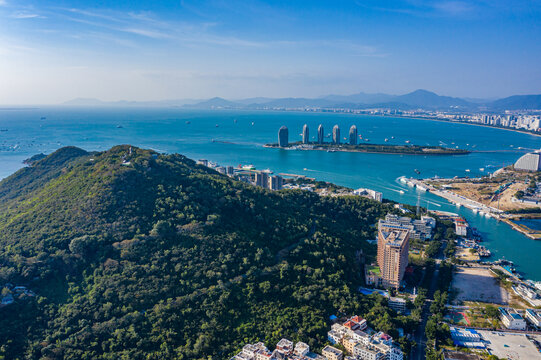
pixel 418 99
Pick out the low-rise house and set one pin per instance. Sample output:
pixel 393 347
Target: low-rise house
pixel 533 317
pixel 397 304
pixel 511 319
pixel 301 349
pixel 285 346
pixel 332 353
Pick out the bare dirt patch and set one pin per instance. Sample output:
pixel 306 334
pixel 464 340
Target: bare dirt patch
pixel 478 284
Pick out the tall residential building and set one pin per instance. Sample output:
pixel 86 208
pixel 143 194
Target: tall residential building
pixel 393 246
pixel 275 182
pixel 283 137
pixel 336 134
pixel 320 134
pixel 262 179
pixel 353 135
pixel 305 134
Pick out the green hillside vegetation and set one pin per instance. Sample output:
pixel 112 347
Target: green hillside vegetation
pixel 136 255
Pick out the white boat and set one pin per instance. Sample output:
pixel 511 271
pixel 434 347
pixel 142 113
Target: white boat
pixel 386 139
pixel 481 169
pixel 467 170
pixel 248 167
pixel 410 184
pixel 401 191
pixel 407 141
pixel 421 187
pixel 403 179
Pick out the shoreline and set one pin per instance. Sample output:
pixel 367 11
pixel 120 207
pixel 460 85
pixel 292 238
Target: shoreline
pixel 478 207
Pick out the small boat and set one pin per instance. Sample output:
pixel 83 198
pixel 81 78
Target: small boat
pixel 253 123
pixel 467 170
pixel 235 121
pixel 392 137
pixel 3 130
pixel 366 139
pixel 43 118
pixel 417 171
pixel 407 141
pixel 188 122
pixel 386 140
pixel 401 191
pixel 403 179
pixel 119 127
pixel 481 169
pixel 267 171
pixel 217 125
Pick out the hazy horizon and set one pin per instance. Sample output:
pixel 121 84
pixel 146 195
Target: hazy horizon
pixel 56 51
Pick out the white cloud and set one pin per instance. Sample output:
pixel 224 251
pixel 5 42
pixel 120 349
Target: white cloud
pixel 25 15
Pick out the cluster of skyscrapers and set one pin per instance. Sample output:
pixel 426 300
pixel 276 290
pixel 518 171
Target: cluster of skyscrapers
pixel 283 135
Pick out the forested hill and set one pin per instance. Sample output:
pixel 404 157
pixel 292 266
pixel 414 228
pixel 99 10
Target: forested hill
pixel 137 255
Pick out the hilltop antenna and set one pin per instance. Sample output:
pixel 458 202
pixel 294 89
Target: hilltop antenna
pixel 418 203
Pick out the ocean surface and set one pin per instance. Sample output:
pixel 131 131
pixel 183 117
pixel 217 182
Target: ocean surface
pixel 236 137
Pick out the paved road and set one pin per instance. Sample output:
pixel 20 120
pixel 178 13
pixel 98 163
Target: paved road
pixel 418 352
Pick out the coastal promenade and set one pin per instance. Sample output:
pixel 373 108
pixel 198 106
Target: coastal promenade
pixel 460 200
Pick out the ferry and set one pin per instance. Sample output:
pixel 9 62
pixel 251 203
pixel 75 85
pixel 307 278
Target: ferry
pixel 421 187
pixel 247 167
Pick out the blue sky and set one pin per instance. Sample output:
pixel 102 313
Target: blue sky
pixel 52 51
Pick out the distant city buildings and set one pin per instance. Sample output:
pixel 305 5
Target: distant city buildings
pixel 369 193
pixel 305 134
pixel 271 182
pixel 283 137
pixel 353 135
pixel 275 182
pixel 336 134
pixel 393 246
pixel 320 134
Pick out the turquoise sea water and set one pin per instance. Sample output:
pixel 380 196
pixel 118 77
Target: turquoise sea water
pixel 240 142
